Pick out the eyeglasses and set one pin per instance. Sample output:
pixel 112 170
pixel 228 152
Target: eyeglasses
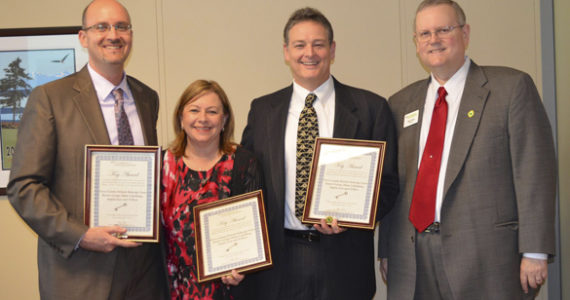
pixel 104 27
pixel 442 32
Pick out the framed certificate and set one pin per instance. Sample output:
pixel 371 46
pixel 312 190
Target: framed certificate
pixel 121 188
pixel 344 182
pixel 231 234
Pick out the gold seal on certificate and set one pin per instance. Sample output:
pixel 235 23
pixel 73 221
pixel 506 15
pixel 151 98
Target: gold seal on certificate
pixel 231 234
pixel 121 188
pixel 345 182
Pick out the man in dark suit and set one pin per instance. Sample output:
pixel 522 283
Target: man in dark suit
pixel 46 180
pixel 479 223
pixel 323 262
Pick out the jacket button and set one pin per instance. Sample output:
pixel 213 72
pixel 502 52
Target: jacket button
pixel 412 238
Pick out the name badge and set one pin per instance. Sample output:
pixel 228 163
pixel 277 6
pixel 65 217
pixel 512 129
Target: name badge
pixel 411 118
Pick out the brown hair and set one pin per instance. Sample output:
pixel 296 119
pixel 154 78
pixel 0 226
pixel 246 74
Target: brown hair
pixel 307 14
pixel 194 91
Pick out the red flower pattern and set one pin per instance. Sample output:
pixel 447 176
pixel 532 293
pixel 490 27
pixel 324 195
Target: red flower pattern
pixel 182 189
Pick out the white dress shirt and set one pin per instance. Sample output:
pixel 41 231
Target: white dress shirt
pixel 104 89
pixel 325 107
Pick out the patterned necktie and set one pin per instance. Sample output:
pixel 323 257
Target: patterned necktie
pixel 422 210
pixel 306 134
pixel 123 127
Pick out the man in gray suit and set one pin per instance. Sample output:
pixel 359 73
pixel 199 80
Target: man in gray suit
pixel 479 222
pixel 322 261
pixel 46 180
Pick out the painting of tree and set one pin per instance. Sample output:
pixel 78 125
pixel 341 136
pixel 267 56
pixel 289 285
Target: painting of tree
pixel 13 87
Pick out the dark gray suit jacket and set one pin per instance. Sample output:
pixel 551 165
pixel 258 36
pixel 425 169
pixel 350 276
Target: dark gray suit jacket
pixel 46 180
pixel 359 114
pixel 499 187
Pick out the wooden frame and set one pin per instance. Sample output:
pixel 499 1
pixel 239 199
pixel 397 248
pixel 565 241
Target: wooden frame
pixel 344 182
pixel 122 186
pixel 231 234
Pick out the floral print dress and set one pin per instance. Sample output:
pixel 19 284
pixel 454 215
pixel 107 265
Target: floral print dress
pixel 182 189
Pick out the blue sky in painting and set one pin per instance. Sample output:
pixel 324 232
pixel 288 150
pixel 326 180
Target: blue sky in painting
pixel 42 65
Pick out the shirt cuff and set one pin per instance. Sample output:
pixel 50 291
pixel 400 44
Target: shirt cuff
pixel 542 256
pixel 78 242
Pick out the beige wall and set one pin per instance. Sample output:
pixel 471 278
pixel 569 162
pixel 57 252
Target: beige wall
pixel 239 44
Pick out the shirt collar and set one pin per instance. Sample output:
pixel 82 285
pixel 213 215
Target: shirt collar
pixel 104 87
pixel 456 79
pixel 323 92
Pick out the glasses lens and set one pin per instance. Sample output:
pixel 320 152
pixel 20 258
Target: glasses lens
pixel 444 31
pixel 122 27
pixel 424 35
pixel 102 27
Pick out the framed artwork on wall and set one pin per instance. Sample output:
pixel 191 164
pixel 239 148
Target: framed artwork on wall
pixel 30 57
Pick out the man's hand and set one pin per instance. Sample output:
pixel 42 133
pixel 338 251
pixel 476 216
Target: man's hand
pixel 324 228
pixel 533 273
pixel 233 279
pixel 103 239
pixel 384 269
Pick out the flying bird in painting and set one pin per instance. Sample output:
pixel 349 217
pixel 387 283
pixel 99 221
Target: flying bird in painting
pixel 60 60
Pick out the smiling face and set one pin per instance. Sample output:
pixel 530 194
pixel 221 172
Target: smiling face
pixel 107 50
pixel 443 56
pixel 203 119
pixel 309 54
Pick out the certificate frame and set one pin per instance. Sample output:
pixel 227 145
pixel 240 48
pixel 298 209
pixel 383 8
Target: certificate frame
pixel 207 236
pixel 334 159
pixel 123 175
pixel 34 56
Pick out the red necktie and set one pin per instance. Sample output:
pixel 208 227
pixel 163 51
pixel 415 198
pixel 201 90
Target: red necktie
pixel 422 210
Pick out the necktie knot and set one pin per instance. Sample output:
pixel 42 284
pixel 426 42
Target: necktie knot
pixel 118 95
pixel 441 93
pixel 310 99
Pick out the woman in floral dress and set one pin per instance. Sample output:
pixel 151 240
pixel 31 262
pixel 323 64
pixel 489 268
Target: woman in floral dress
pixel 201 165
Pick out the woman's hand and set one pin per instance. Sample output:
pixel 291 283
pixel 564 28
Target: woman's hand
pixel 233 279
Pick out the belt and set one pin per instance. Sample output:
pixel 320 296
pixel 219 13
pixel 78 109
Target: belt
pixel 307 235
pixel 433 227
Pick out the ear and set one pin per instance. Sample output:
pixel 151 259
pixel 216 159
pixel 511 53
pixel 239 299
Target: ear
pixel 466 30
pixel 333 49
pixel 82 36
pixel 286 53
pixel 416 43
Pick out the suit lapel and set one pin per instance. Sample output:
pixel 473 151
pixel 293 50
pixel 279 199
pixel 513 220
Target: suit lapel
pixel 143 109
pixel 411 134
pixel 345 122
pixel 276 123
pixel 470 110
pixel 88 106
